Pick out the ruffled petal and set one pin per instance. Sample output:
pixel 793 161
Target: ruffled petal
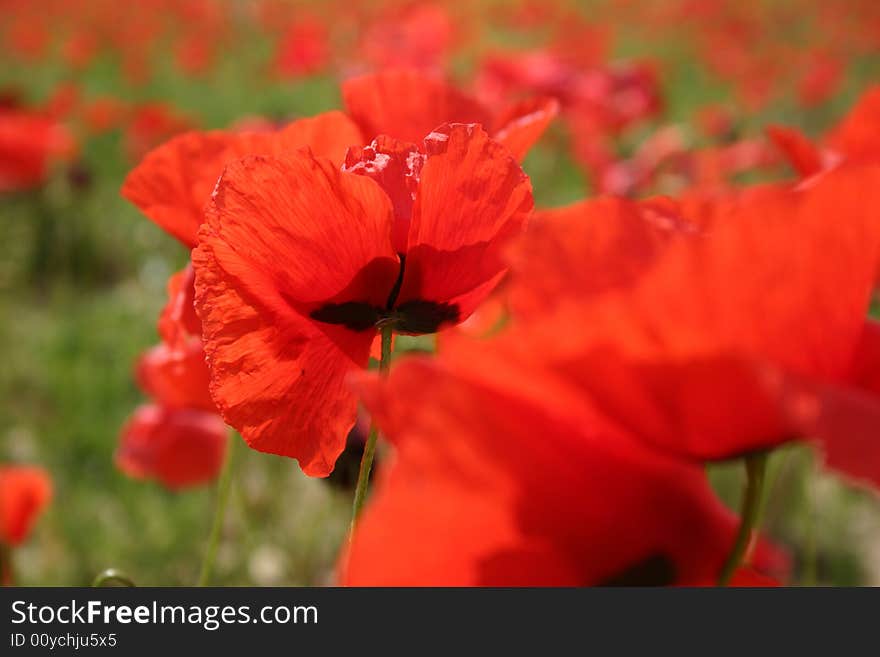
pixel 472 198
pixel 395 165
pixel 283 239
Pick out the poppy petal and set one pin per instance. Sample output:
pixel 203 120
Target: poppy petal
pixel 847 434
pixel 174 182
pixel 178 447
pixel 395 165
pixel 407 104
pixel 595 246
pixel 858 135
pixel 24 493
pixel 468 500
pixel 847 428
pixel 750 286
pixel 178 320
pixel 521 125
pixel 802 154
pixel 712 353
pixel 284 237
pixel 472 198
pixel 176 376
pixel 329 135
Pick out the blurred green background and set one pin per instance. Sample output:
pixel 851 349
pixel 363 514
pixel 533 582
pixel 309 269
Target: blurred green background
pixel 82 279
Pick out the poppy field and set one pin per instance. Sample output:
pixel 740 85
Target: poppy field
pixel 431 293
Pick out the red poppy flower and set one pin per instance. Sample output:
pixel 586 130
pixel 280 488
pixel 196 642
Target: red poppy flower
pixel 821 80
pixel 178 447
pixel 742 337
pixel 183 418
pixel 418 36
pixel 173 183
pixel 296 266
pixel 29 144
pixel 24 493
pixel 174 372
pixel 595 246
pixel 606 99
pixel 407 105
pixel 502 477
pixel 303 49
pixel 194 53
pixel 79 48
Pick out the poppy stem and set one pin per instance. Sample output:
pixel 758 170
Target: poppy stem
pixel 363 482
pixel 756 470
pixel 224 487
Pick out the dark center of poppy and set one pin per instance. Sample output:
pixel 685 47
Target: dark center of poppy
pixel 414 317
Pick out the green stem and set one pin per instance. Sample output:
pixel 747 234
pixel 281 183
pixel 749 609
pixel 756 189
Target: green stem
pixel 363 482
pixel 224 486
pixel 756 469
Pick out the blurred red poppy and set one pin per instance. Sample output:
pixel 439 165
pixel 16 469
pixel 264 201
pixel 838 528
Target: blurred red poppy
pixel 24 493
pixel 30 143
pixel 103 114
pixel 182 415
pixel 296 267
pixel 417 35
pixel 606 98
pixel 822 78
pixel 178 447
pixel 503 477
pixel 740 337
pixel 303 49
